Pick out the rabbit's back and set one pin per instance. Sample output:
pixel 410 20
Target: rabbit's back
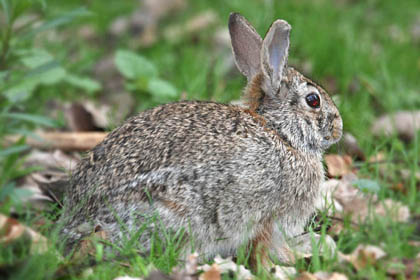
pixel 170 141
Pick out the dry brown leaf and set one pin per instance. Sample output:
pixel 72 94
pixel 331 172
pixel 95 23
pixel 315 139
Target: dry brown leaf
pixel 35 199
pixel 227 265
pixel 321 275
pixel 338 165
pixel 405 124
pixel 55 160
pixel 12 230
pixel 49 184
pixel 189 272
pixel 352 200
pixel 394 210
pixel 363 255
pixel 213 273
pixel 191 267
pixel 327 201
pixel 348 199
pixel 87 245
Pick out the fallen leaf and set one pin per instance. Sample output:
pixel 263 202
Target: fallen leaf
pixel 405 124
pixel 191 267
pixel 363 255
pixel 88 245
pixel 12 230
pixel 349 200
pixel 226 266
pixel 327 201
pixel 352 200
pixel 394 210
pixel 54 160
pixel 338 165
pixel 190 270
pixel 213 273
pixel 322 275
pixel 33 196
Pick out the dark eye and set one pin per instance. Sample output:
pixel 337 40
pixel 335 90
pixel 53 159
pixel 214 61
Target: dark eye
pixel 313 100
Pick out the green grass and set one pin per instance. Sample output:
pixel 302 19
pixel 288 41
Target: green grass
pixel 365 47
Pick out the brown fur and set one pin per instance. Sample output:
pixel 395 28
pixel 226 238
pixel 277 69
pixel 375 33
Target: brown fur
pixel 260 245
pixel 176 207
pixel 253 93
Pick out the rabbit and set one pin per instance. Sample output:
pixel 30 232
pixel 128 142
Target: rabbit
pixel 227 176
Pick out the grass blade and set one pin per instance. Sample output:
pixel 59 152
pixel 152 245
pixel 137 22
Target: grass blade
pixel 36 119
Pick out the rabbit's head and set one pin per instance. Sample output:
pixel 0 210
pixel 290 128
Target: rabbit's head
pixel 294 105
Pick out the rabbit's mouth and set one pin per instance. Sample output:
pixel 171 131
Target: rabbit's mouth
pixel 329 140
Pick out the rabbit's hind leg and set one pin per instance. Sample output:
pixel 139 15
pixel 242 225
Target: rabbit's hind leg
pixel 260 244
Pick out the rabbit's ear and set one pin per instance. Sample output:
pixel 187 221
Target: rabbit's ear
pixel 246 45
pixel 274 52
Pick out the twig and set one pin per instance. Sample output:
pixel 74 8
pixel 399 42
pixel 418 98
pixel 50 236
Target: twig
pixel 66 141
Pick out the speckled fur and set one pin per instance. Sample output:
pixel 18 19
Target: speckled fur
pixel 227 175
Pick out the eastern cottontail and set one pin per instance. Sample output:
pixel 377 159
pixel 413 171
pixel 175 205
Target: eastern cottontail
pixel 228 175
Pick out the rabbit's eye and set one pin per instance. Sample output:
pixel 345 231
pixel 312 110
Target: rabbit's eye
pixel 313 100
